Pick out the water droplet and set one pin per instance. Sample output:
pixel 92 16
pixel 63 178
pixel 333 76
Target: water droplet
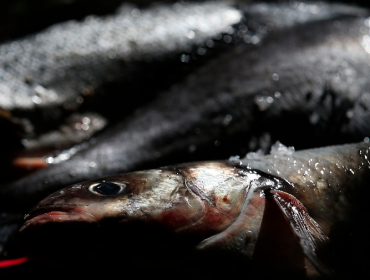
pixel 210 44
pixel 85 126
pixel 49 160
pixel 275 77
pixel 79 99
pixel 228 39
pixel 190 34
pixel 36 99
pixel 349 114
pixel 112 55
pixel 86 120
pixel 228 118
pixel 314 118
pixel 185 58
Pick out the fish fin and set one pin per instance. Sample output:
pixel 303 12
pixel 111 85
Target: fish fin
pixel 309 232
pixel 29 163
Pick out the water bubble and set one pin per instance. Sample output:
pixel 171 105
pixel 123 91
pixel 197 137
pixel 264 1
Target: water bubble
pixel 269 99
pixel 255 40
pixel 85 126
pixel 190 34
pixel 230 30
pixel 86 120
pixel 228 118
pixel 314 118
pixel 112 55
pixel 36 99
pixel 218 36
pixel 243 28
pixel 210 44
pixel 247 39
pixel 275 77
pixel 185 58
pixel 49 160
pixel 79 99
pixel 349 114
pixel 228 39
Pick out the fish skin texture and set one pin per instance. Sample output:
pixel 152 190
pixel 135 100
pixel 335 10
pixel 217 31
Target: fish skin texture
pixel 312 99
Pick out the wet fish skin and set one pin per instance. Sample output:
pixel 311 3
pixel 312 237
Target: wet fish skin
pixel 52 68
pixel 203 208
pixel 310 97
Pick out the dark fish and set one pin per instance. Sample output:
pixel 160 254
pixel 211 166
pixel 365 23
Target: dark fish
pixel 274 215
pixel 55 69
pixel 314 83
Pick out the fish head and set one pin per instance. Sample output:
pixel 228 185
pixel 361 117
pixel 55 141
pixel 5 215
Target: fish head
pixel 141 214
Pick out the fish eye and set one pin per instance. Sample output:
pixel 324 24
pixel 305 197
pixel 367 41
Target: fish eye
pixel 107 188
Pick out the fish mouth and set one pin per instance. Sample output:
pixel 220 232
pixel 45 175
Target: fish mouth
pixel 57 213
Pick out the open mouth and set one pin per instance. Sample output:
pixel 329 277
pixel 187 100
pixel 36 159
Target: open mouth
pixel 57 213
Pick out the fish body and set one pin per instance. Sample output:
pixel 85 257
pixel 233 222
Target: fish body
pixel 293 79
pixel 284 220
pixel 45 76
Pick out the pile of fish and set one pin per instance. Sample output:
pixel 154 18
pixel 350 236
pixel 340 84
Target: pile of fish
pixel 294 72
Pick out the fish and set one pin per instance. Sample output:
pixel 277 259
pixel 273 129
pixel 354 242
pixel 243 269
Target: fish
pixel 47 75
pixel 315 84
pixel 281 214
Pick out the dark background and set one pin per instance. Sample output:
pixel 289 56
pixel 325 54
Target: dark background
pixel 21 17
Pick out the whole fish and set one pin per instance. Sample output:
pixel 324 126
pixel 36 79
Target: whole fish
pixel 314 83
pixel 288 213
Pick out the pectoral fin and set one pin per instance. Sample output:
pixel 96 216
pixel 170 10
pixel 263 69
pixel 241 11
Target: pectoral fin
pixel 308 231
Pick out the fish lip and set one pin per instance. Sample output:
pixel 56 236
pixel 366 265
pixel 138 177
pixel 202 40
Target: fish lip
pixel 57 213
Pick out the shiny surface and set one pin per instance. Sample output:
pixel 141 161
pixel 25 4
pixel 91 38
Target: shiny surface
pixel 214 208
pixel 330 74
pixel 318 92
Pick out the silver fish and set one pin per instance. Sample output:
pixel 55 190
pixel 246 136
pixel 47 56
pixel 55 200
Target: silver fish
pixel 279 214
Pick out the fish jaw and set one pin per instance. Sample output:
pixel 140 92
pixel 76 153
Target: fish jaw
pixel 51 213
